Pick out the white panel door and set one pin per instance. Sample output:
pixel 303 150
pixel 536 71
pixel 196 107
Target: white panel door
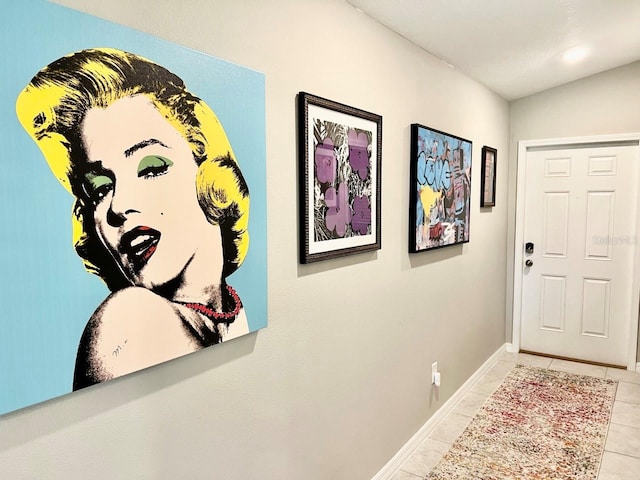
pixel 580 211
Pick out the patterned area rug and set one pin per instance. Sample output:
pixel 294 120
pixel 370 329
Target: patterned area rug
pixel 539 425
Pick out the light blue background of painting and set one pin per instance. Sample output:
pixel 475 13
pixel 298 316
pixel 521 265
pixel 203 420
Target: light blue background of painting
pixel 46 296
pixel 430 136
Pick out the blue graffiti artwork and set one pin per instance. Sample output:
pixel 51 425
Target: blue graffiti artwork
pixel 441 194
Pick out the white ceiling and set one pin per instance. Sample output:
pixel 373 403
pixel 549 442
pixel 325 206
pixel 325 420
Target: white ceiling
pixel 515 47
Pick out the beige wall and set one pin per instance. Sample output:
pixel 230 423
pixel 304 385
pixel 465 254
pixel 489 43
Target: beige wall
pixel 606 103
pixel 319 394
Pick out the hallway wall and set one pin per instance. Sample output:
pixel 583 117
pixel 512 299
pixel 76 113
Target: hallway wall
pixel 334 386
pixel 606 103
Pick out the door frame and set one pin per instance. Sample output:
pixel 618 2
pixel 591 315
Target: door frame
pixel 593 140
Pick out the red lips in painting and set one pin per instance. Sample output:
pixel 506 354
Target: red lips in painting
pixel 138 245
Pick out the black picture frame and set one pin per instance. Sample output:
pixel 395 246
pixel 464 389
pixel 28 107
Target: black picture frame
pixel 339 174
pixel 440 189
pixel 488 181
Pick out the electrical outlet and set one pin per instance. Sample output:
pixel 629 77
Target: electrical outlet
pixel 435 374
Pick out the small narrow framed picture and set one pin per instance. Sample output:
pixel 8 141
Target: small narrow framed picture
pixel 340 153
pixel 488 187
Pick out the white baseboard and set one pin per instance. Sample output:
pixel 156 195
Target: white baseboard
pixel 392 466
pixel 510 348
pixel 638 367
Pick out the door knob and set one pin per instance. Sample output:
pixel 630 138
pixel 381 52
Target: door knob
pixel 529 263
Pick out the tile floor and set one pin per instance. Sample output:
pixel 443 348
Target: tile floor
pixel 621 460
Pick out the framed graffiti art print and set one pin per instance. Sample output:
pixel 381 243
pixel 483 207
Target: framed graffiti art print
pixel 440 190
pixel 339 174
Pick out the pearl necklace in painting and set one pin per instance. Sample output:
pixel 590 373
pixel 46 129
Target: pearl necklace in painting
pixel 214 316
